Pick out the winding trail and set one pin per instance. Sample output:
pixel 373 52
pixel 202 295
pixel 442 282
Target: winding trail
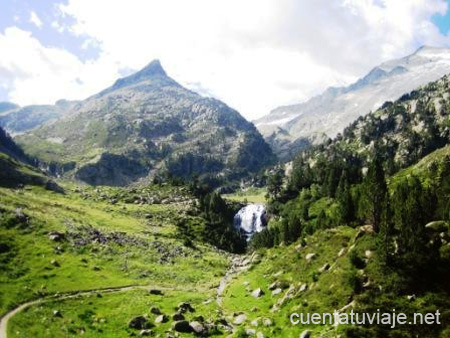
pixel 69 295
pixel 238 264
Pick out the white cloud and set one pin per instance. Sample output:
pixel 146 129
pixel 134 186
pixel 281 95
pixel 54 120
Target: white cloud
pixel 34 19
pixel 253 54
pixel 33 73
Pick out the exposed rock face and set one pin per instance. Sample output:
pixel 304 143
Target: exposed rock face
pixel 16 169
pixel 250 219
pixel 113 170
pixel 148 123
pixel 290 128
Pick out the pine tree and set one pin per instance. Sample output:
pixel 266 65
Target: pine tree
pixel 375 190
pixel 344 197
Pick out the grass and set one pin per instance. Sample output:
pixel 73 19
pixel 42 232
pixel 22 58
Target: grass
pixel 109 315
pixel 149 253
pixel 325 292
pixel 252 195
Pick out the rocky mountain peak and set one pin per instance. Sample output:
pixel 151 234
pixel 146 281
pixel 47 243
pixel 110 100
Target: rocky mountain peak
pixel 152 71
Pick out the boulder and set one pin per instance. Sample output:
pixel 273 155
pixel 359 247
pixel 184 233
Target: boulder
pixel 250 332
pixel 305 334
pixel 240 319
pixel 56 236
pixel 267 322
pixel 185 307
pixel 277 291
pixel 310 256
pixel 182 326
pixel 255 322
pixel 324 268
pixel 155 292
pixel 155 310
pixel 273 286
pixel 177 316
pixel 146 333
pixel 197 327
pixel 161 319
pixel 257 293
pixel 437 226
pixel 139 323
pixel 57 313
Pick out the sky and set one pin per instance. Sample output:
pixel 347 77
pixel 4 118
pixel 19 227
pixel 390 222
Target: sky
pixel 254 55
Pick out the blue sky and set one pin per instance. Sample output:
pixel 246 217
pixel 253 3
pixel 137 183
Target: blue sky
pixel 443 21
pixel 254 54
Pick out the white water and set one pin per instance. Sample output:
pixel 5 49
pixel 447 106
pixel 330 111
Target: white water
pixel 251 219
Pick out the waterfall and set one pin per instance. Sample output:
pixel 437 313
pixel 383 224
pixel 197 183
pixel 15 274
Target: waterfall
pixel 251 219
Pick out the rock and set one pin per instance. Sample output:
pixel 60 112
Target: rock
pixel 250 332
pixel 184 307
pixel 369 253
pixel 310 256
pixel 303 287
pixel 161 319
pixel 273 286
pixel 52 186
pixel 259 335
pixel 255 322
pixel 257 293
pixel 199 319
pixel 411 297
pixel 305 334
pixel 182 326
pixel 197 327
pixel 267 322
pixel 155 292
pixel 341 252
pixel 56 236
pixel 437 226
pixel 155 310
pixel 139 323
pixel 276 291
pixel 177 316
pixel 146 333
pixel 57 313
pixel 54 262
pixel 324 268
pixel 240 319
pixel 278 274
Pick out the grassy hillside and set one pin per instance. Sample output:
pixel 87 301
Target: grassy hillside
pixel 91 239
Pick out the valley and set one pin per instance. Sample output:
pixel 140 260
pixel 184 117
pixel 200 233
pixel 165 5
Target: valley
pixel 150 210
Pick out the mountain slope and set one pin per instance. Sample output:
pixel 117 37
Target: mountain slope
pixel 289 128
pixel 147 123
pixel 18 119
pixel 16 169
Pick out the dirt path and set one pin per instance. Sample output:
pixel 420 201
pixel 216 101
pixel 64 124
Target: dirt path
pixel 238 264
pixel 74 294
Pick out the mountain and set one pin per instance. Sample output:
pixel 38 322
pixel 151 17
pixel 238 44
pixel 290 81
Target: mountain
pixel 145 124
pixel 404 131
pixel 18 119
pixel 290 128
pixel 16 167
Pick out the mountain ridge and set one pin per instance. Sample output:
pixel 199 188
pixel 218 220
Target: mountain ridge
pixel 146 123
pixel 328 114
